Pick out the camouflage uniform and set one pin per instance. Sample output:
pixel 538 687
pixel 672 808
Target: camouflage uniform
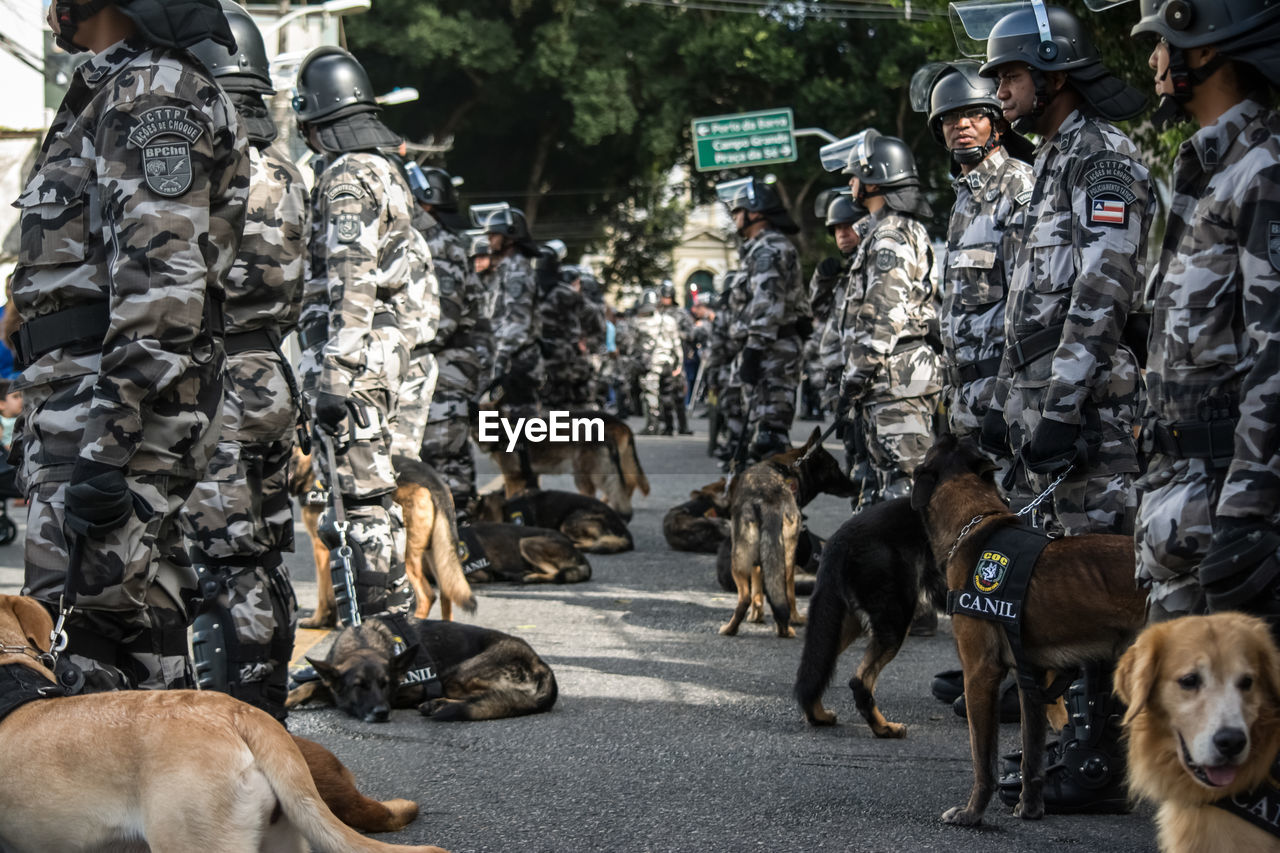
pixel 364 254
pixel 464 352
pixel 821 292
pixel 982 240
pixel 891 374
pixel 594 332
pixel 239 518
pixel 732 339
pixel 1214 355
pixel 1072 286
pixel 622 368
pixel 776 303
pixel 566 367
pixel 135 205
pixel 417 389
pixel 662 354
pixel 517 328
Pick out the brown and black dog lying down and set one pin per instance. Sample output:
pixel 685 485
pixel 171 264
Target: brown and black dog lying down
pixel 701 523
pixel 162 770
pixel 874 571
pixel 1204 728
pixel 765 503
pixel 1081 605
pixel 520 554
pixel 483 674
pixel 592 525
pixel 431 539
pixel 609 468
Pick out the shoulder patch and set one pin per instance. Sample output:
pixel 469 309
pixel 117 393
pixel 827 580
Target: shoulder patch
pixel 1273 243
pixel 165 135
pixel 347 227
pixel 345 188
pixel 1023 198
pixel 764 261
pixel 886 259
pixel 1108 189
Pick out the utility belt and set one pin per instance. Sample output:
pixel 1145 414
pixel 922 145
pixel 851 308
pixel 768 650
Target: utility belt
pixel 1214 440
pixel 317 331
pixel 963 374
pixel 1027 348
pixel 82 329
pixel 265 339
pixel 908 344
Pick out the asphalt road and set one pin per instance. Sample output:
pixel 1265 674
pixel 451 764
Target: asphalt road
pixel 670 737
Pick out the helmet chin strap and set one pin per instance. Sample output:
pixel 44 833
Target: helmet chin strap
pixel 975 154
pixel 1028 122
pixel 70 17
pixel 747 222
pixel 1172 108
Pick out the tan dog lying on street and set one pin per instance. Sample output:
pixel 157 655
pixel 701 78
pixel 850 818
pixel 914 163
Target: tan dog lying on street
pixel 148 770
pixel 1204 726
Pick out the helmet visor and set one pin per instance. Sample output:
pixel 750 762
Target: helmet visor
pixel 823 200
pixel 851 155
pixel 923 81
pixel 479 243
pixel 973 20
pixel 737 193
pixel 492 218
pixel 1105 5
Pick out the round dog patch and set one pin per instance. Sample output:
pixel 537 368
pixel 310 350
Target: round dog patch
pixel 990 571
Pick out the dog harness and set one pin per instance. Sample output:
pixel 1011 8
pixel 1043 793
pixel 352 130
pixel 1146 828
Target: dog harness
pixel 519 510
pixel 471 552
pixel 995 590
pixel 422 669
pixel 1261 806
pixel 21 684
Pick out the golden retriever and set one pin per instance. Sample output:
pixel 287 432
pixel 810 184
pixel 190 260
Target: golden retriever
pixel 164 771
pixel 1203 724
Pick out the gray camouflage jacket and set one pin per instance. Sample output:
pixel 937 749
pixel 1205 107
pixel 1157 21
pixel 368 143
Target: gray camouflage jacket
pixel 774 288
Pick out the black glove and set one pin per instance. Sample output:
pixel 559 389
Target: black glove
pixel 830 267
pixel 329 411
pixel 749 372
pixel 98 499
pixel 848 396
pixel 1240 570
pixel 994 437
pixel 1053 447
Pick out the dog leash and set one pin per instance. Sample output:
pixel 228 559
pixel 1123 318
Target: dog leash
pixel 1039 499
pixel 341 525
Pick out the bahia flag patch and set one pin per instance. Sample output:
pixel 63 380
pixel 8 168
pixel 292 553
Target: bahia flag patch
pixel 1107 211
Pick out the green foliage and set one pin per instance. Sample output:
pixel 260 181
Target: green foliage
pixel 574 110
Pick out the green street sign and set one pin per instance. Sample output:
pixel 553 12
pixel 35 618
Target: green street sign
pixel 746 139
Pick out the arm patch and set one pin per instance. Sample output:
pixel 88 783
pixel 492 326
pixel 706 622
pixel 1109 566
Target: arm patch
pixel 165 135
pixel 1108 190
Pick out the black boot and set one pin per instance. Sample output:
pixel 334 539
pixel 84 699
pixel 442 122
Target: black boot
pixel 682 419
pixel 1085 768
pixel 650 425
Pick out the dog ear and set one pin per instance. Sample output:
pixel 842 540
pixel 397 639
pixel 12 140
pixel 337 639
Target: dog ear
pixel 1268 663
pixel 922 489
pixel 814 438
pixel 1137 670
pixel 328 672
pixel 34 620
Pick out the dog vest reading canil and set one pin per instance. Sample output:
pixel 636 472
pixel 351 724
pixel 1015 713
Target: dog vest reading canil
pixel 470 552
pixel 1261 806
pixel 422 670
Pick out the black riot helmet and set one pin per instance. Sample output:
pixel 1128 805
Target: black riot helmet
pixel 244 69
pixel 939 88
pixel 169 23
pixel 437 188
pixel 1045 38
pixel 843 210
pixel 667 290
pixel 881 161
pixel 501 218
pixel 332 84
pixel 757 196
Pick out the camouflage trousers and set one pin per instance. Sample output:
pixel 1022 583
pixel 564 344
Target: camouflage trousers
pixel 130 629
pixel 444 443
pixel 661 388
pixel 773 399
pixel 413 404
pixel 568 383
pixel 1102 503
pixel 366 481
pixel 896 434
pixel 1177 500
pixel 733 407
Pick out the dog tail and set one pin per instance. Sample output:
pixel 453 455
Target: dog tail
pixel 512 681
pixel 633 476
pixel 278 758
pixel 337 787
pixel 833 624
pixel 450 577
pixel 773 559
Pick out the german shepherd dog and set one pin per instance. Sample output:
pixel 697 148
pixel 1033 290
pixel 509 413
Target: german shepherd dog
pixel 431 539
pixel 807 554
pixel 610 468
pixel 701 523
pixel 484 674
pixel 526 555
pixel 592 526
pixel 162 771
pixel 873 573
pixel 1081 605
pixel 765 503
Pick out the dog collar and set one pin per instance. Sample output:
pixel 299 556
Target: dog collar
pixel 20 684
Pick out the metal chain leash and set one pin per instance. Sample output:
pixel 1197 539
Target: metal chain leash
pixel 1040 498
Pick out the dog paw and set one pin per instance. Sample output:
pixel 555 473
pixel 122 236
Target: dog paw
pixel 318 621
pixel 729 630
pixel 820 716
pixel 799 619
pixel 961 817
pixel 787 633
pixel 891 730
pixel 755 616
pixel 1028 812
